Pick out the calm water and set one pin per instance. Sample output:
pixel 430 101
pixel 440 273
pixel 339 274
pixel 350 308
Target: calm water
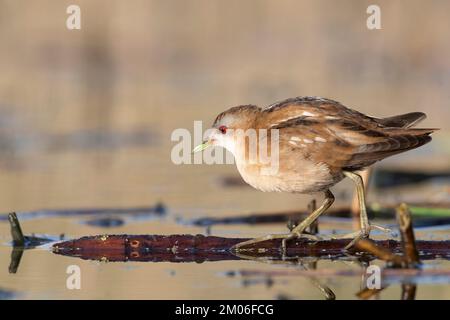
pixel 142 175
pixel 42 274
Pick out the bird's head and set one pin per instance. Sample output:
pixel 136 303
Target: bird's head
pixel 228 125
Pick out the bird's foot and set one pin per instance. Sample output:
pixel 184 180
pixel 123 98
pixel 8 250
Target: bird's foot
pixel 285 237
pixel 361 234
pixel 297 235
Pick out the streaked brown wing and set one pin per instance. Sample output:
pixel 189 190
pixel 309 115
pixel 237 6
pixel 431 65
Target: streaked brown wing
pixel 406 120
pixel 320 129
pixel 316 143
pixel 328 132
pixel 397 141
pixel 312 108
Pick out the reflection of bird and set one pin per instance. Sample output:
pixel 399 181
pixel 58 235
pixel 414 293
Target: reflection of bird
pixel 319 143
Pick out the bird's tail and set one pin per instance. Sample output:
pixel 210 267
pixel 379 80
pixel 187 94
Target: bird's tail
pixel 398 140
pixel 406 120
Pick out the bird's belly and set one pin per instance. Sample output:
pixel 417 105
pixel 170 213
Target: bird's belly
pixel 306 177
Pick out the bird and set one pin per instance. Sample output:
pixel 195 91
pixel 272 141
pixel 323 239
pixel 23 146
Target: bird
pixel 318 142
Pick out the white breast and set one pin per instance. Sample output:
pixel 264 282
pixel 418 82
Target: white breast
pixel 304 178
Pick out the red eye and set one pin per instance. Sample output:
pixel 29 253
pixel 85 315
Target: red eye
pixel 223 129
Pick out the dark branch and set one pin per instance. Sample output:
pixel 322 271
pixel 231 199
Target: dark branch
pixel 199 248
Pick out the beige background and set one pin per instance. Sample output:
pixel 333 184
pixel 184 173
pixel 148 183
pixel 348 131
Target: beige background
pixel 86 116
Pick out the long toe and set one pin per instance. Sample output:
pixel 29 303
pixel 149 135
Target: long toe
pixel 355 236
pixel 285 237
pixel 295 235
pixel 361 235
pixel 242 245
pixel 380 228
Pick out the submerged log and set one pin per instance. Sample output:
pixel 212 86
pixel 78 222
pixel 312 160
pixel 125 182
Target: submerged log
pixel 199 248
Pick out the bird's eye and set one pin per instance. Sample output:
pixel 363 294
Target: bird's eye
pixel 223 129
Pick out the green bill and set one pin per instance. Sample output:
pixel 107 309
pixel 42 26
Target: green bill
pixel 201 147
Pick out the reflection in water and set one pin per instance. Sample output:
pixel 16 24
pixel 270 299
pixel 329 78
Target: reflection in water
pixel 300 261
pixel 409 291
pixel 16 257
pixel 184 248
pixel 275 275
pixel 303 267
pixel 21 242
pixel 6 294
pixel 268 280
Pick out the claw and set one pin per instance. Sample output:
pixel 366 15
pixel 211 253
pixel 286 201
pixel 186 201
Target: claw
pixel 285 237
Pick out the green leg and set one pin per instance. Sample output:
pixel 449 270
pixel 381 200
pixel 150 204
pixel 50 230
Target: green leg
pixel 329 199
pixel 364 219
pixel 297 232
pixel 364 232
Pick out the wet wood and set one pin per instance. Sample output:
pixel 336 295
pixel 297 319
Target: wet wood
pixel 411 254
pixel 199 248
pixel 409 291
pixel 381 253
pixel 16 257
pixel 16 230
pixel 367 293
pixel 21 241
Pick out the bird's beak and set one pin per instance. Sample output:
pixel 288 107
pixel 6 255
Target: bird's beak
pixel 202 146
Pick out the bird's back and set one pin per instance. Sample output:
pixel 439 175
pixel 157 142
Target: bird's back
pixel 328 132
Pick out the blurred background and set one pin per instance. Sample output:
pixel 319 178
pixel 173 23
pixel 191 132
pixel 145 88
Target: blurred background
pixel 86 115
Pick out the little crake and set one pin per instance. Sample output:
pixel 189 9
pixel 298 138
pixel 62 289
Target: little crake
pixel 320 142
